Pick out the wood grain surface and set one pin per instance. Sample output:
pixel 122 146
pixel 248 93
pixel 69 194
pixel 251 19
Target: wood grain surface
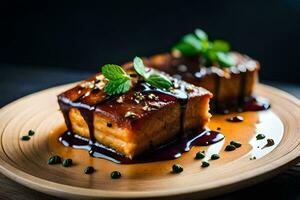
pixel 25 162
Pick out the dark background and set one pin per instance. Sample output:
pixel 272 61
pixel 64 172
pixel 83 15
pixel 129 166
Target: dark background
pixel 87 34
pixel 43 44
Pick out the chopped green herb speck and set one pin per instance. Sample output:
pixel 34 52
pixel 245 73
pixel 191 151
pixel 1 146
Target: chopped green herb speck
pixel 236 144
pixel 54 160
pixel 229 148
pixel 260 136
pixel 176 168
pixel 67 163
pixel 89 170
pixel 214 157
pixel 205 164
pixel 31 132
pixel 25 138
pixel 115 175
pixel 200 155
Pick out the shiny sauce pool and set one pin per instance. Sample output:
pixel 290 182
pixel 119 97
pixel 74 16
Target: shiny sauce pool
pixel 172 149
pixel 169 151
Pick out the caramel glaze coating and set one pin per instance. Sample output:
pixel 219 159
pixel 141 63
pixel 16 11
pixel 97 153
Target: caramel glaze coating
pixel 229 85
pixel 90 95
pixel 138 119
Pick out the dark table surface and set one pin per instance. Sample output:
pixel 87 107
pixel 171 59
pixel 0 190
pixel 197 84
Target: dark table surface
pixel 16 82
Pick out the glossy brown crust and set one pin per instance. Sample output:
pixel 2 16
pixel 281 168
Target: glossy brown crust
pixel 90 93
pixel 133 122
pixel 171 64
pixel 227 84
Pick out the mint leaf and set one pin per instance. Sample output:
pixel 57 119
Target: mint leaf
pixel 220 45
pixel 156 80
pixel 225 59
pixel 206 45
pixel 201 34
pixel 117 86
pixel 159 81
pixel 192 40
pixel 185 49
pixel 139 66
pixel 197 43
pixel 212 55
pixel 114 72
pixel 118 80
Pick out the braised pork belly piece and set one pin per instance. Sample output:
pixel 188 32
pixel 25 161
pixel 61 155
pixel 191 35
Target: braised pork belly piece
pixel 133 122
pixel 229 75
pixel 231 86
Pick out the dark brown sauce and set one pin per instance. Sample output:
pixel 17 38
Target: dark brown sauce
pixel 270 142
pixel 196 71
pixel 98 150
pixel 169 151
pixel 256 103
pixel 253 103
pixel 85 111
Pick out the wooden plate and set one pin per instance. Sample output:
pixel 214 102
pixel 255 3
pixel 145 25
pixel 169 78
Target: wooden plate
pixel 26 161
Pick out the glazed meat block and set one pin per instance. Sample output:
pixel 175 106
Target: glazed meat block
pixel 229 86
pixel 133 122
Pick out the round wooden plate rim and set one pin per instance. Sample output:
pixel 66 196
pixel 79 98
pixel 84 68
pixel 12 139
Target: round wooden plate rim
pixel 43 185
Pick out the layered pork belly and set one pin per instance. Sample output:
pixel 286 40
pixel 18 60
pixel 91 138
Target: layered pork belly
pixel 135 121
pixel 228 85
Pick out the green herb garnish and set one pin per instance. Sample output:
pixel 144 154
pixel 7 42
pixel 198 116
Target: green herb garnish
pixel 200 155
pixel 120 82
pixel 67 163
pixel 157 80
pixel 260 136
pixel 115 175
pixel 89 170
pixel 225 59
pixel 230 147
pixel 118 86
pixel 176 168
pixel 31 132
pixel 201 34
pixel 139 67
pixel 204 164
pixel 54 160
pixel 197 43
pixel 215 156
pixel 236 144
pixel 25 138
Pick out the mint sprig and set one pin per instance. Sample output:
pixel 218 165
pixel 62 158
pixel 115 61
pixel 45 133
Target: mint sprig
pixel 120 82
pixel 114 72
pixel 139 67
pixel 117 86
pixel 157 80
pixel 201 34
pixel 197 43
